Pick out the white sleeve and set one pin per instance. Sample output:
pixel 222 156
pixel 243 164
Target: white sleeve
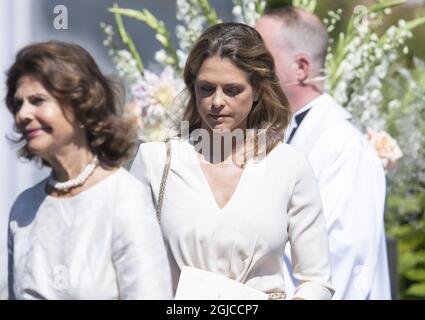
pixel 352 188
pixel 139 252
pixel 139 168
pixel 308 238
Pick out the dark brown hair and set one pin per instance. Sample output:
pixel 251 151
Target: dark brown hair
pixel 244 47
pixel 72 77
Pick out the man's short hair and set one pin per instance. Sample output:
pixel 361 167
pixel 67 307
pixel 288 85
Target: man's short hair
pixel 302 32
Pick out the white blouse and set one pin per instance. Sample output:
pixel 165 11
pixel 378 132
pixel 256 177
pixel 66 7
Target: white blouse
pixel 276 200
pixel 104 243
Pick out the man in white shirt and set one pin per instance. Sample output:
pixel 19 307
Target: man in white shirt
pixel 350 176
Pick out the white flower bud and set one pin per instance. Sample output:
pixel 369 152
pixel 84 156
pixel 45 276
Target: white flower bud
pixel 401 23
pixel 237 10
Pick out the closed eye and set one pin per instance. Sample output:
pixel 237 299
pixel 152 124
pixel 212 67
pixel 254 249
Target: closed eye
pixel 207 89
pixel 233 91
pixel 36 100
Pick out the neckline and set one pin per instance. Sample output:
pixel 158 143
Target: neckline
pixel 85 192
pixel 207 186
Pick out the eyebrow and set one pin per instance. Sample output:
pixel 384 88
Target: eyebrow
pixel 232 84
pixel 37 95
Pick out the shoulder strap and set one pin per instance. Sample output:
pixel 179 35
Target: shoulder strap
pixel 163 180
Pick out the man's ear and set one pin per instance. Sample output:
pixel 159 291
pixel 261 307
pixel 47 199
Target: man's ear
pixel 302 62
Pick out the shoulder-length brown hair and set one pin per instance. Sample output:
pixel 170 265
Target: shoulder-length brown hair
pixel 244 47
pixel 70 74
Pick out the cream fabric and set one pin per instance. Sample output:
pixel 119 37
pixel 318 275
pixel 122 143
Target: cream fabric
pixel 104 243
pixel 276 200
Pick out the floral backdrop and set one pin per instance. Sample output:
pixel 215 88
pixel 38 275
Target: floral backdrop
pixel 369 71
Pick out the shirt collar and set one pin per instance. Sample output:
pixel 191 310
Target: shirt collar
pixel 307 106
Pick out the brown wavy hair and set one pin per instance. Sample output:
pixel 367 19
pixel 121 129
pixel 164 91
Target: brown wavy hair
pixel 244 47
pixel 69 73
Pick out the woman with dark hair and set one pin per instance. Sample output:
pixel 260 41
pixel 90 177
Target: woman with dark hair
pixel 230 194
pixel 89 230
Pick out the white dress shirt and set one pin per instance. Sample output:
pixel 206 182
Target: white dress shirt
pixel 104 243
pixel 352 186
pixel 275 201
pixel 293 123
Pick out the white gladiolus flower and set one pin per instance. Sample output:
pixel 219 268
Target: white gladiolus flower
pixel 391 32
pixel 405 50
pixel 126 65
pixel 237 10
pixel 392 56
pixel 245 11
pixel 376 95
pixel 394 104
pixel 161 56
pixel 193 21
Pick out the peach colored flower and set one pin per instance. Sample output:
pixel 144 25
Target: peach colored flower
pixel 386 148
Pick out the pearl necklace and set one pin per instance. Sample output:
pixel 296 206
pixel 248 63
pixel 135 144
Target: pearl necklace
pixel 77 181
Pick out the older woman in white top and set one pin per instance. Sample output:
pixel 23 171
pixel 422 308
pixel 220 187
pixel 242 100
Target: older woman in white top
pixel 231 207
pixel 88 231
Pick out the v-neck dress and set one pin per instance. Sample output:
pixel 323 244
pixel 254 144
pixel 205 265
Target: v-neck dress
pixel 275 201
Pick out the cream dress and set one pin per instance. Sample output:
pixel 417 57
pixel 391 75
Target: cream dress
pixel 275 201
pixel 104 243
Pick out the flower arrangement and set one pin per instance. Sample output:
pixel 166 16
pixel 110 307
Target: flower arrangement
pixel 156 96
pixel 160 95
pixel 357 64
pixel 360 60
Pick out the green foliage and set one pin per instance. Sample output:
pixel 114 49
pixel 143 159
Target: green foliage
pixel 308 5
pixel 162 34
pixel 128 41
pixel 406 222
pixel 209 12
pixel 278 3
pixel 411 258
pixel 416 290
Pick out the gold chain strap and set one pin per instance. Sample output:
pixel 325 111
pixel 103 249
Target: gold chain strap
pixel 163 180
pixel 277 296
